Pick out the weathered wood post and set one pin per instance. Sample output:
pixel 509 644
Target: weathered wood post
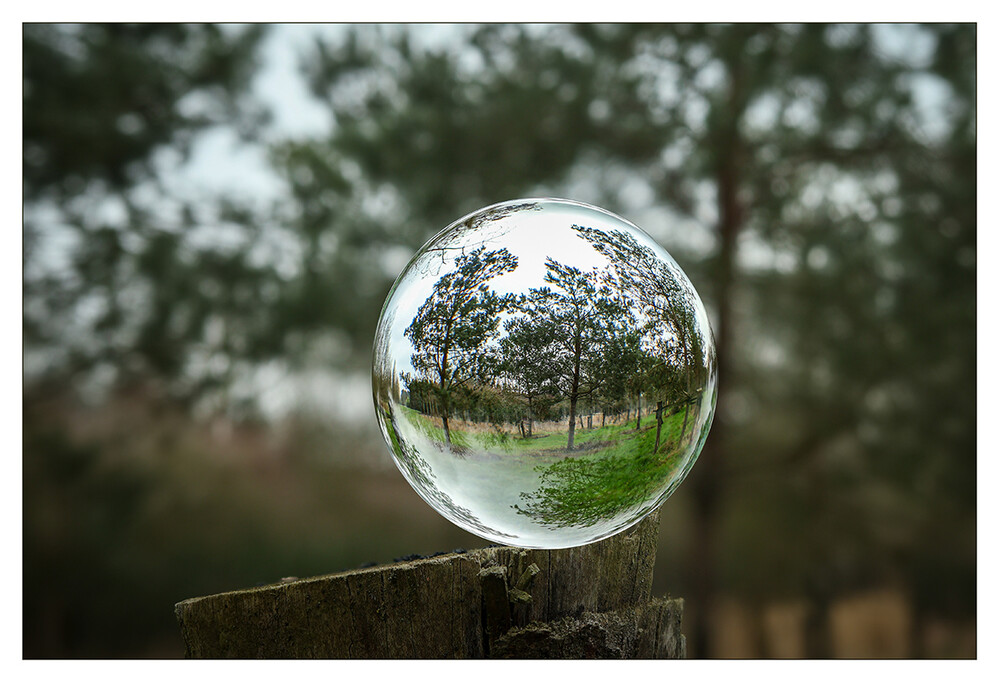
pixel 499 602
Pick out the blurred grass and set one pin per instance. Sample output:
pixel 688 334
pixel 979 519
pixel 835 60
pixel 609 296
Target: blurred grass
pixel 130 510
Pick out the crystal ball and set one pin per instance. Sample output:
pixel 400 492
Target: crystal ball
pixel 544 373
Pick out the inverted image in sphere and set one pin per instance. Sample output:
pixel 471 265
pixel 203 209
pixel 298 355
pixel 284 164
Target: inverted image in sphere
pixel 544 373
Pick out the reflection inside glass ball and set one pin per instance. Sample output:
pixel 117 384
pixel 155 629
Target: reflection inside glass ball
pixel 544 373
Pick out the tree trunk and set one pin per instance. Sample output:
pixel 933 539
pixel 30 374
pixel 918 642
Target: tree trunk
pixel 442 375
pixel 447 431
pixel 499 602
pixel 686 413
pixel 574 393
pixel 638 413
pixel 706 482
pixel 572 421
pixel 659 425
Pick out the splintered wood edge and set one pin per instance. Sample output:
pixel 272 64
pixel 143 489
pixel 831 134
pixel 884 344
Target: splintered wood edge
pixel 341 575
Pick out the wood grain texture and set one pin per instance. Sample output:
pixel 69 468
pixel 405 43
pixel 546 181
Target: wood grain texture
pixel 590 601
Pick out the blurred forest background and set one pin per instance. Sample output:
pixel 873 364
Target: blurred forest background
pixel 213 216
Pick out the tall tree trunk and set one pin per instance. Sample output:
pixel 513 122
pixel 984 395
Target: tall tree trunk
pixel 442 375
pixel 572 420
pixel 705 483
pixel 574 394
pixel 638 413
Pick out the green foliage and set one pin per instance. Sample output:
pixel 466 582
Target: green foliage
pixel 575 322
pixel 452 327
pixel 526 353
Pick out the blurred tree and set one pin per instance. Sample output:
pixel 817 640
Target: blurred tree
pixel 114 281
pixel 114 286
pixel 843 254
pixel 100 99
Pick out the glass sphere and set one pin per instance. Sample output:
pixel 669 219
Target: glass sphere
pixel 544 373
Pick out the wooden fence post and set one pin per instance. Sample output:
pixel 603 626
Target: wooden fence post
pixel 499 602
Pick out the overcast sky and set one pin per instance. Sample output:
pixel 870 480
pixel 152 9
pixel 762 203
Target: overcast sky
pixel 223 163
